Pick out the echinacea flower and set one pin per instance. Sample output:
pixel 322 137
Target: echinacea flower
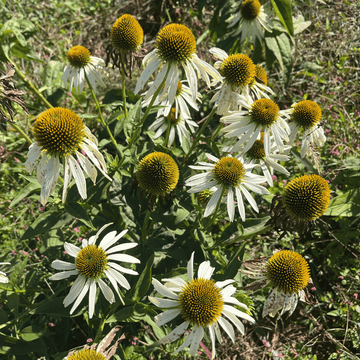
pixel 306 197
pixel 237 72
pixel 202 303
pixel 262 115
pixel 178 125
pixel 288 273
pixel 183 98
pixel 258 86
pixel 157 174
pixel 251 21
pixel 3 278
pixel 82 65
pixel 126 34
pixel 256 154
pixel 61 134
pixel 175 47
pixel 228 175
pixel 100 351
pixel 306 115
pixel 94 263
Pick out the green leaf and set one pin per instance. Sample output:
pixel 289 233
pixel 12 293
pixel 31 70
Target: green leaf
pixel 286 55
pixel 53 75
pixel 132 121
pixel 300 24
pixel 283 11
pixel 52 219
pixel 31 333
pixel 77 211
pixel 305 162
pixel 144 281
pixel 345 205
pixel 52 307
pixel 234 264
pixel 272 44
pixel 24 192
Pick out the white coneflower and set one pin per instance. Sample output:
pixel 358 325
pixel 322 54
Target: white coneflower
pixel 178 125
pixel 306 115
pixel 3 278
pixel 202 303
pixel 183 98
pixel 251 21
pixel 262 115
pixel 228 175
pixel 81 64
pixel 93 263
pixel 61 134
pixel 175 46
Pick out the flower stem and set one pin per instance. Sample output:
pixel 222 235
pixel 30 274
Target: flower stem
pixel 30 84
pixel 22 133
pixel 144 228
pixel 101 117
pixel 123 83
pixel 133 138
pixel 217 131
pixel 206 123
pixel 100 330
pixel 168 129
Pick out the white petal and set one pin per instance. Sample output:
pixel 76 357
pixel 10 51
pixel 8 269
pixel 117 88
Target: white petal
pixel 190 267
pixel 80 297
pixel 227 327
pixel 198 336
pixel 121 247
pixel 230 204
pixel 32 157
pixel 87 166
pixel 92 296
pixel 249 198
pixel 205 271
pixel 67 179
pixel 71 249
pixel 62 265
pixel 163 303
pixel 119 278
pixel 124 258
pixel 162 290
pixel 215 198
pixel 78 176
pixel 75 290
pixel 166 316
pixel 63 275
pixel 144 77
pixel 176 333
pixel 238 313
pixel 122 269
pixel 105 289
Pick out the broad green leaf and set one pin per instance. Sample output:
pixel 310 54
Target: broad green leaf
pixel 45 222
pixel 77 211
pixel 347 204
pixel 283 11
pixel 286 55
pixel 31 333
pixel 132 121
pixel 144 281
pixel 53 73
pixel 272 44
pixel 300 24
pixel 305 162
pixel 234 264
pixel 52 307
pixel 24 192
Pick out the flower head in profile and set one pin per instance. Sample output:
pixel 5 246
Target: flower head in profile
pixel 288 273
pixel 306 115
pixel 201 303
pixel 183 98
pixel 179 125
pixel 60 136
pixel 237 72
pixel 126 34
pixel 306 197
pixel 93 264
pixel 262 115
pixel 3 278
pixel 250 21
pixel 258 86
pixel 175 47
pixel 81 66
pixel 256 155
pixel 101 351
pixel 157 174
pixel 227 175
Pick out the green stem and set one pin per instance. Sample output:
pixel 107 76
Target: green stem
pixel 123 83
pixel 101 117
pixel 206 123
pixel 30 84
pixel 22 133
pixel 13 290
pixel 134 136
pixel 213 218
pixel 99 331
pixel 217 131
pixel 168 129
pixel 144 228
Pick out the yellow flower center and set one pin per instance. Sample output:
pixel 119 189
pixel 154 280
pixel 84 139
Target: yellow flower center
pixel 264 112
pixel 79 56
pixel 175 42
pixel 87 354
pixel 288 271
pixel 126 34
pixel 306 114
pixel 201 302
pixel 157 174
pixel 229 171
pixel 257 151
pixel 307 197
pixel 179 88
pixel 174 120
pixel 91 261
pixel 261 74
pixel 250 9
pixel 59 131
pixel 204 196
pixel 238 70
